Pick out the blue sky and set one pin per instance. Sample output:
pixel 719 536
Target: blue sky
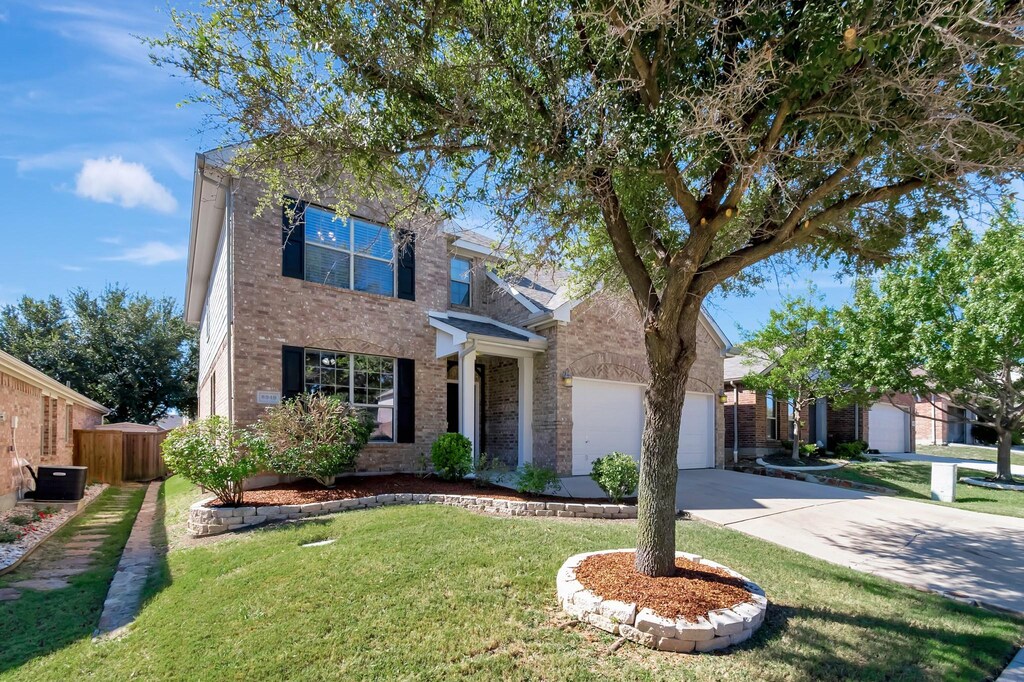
pixel 96 159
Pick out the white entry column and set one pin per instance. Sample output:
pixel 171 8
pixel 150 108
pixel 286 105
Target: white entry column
pixel 467 396
pixel 525 410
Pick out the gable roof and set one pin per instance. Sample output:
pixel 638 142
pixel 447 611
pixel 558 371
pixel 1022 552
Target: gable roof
pixel 738 365
pixel 49 386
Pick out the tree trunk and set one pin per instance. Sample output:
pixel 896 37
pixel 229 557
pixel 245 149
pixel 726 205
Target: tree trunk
pixel 794 430
pixel 659 467
pixel 1004 468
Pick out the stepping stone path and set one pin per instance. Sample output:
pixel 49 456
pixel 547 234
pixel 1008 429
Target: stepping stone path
pixel 50 567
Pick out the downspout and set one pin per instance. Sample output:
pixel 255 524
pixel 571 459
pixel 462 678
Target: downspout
pixel 856 421
pixel 229 211
pixel 735 423
pixel 935 427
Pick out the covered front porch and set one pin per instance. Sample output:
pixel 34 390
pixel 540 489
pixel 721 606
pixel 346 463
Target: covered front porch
pixel 490 384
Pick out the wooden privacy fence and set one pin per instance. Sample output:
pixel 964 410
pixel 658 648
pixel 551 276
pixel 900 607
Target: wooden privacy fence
pixel 117 456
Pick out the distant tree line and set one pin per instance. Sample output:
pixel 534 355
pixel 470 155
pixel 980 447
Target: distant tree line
pixel 131 352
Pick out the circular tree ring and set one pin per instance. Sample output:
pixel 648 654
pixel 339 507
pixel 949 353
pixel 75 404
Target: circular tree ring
pixel 718 629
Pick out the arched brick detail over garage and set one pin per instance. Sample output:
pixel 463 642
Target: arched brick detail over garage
pixel 611 367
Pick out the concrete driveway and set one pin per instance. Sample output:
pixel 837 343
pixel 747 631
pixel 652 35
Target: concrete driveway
pixel 961 553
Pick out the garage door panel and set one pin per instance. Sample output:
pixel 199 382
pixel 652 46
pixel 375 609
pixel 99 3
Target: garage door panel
pixel 887 428
pixel 607 416
pixel 696 432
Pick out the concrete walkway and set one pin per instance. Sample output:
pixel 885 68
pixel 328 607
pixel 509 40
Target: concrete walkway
pixel 978 464
pixel 943 549
pixel 124 597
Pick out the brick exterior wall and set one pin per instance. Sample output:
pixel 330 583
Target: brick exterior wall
pixel 270 311
pixel 26 401
pixel 933 424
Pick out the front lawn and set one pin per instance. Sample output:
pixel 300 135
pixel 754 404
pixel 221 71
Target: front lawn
pixel 433 593
pixel 913 481
pixel 968 452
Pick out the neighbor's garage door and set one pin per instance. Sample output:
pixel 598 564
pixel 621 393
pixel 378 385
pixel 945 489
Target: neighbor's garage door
pixel 887 428
pixel 608 416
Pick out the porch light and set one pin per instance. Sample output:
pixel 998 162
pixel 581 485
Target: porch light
pixel 722 397
pixel 567 378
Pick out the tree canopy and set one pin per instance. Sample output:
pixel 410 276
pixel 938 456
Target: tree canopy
pixel 665 146
pixel 949 322
pixel 133 353
pixel 795 346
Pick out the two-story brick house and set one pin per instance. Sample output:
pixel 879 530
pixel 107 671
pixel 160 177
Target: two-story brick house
pixel 422 333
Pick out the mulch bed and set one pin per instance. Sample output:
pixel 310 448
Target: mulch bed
pixel 786 461
pixel 694 590
pixel 305 491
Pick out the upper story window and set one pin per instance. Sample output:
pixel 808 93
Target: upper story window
pixel 348 253
pixel 365 381
pixel 459 281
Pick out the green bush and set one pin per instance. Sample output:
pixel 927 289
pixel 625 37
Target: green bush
pixel 20 519
pixel 984 434
pixel 852 450
pixel 8 535
pixel 617 475
pixel 809 449
pixel 488 469
pixel 452 456
pixel 535 480
pixel 313 436
pixel 213 454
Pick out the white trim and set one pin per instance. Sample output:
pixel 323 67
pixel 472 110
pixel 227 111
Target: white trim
pixel 716 331
pixel 473 249
pixel 513 292
pixel 525 420
pixel 50 387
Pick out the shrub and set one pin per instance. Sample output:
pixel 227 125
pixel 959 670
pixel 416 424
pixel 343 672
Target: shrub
pixel 617 475
pixel 452 456
pixel 313 435
pixel 984 434
pixel 20 519
pixel 212 453
pixel 809 449
pixel 488 469
pixel 8 534
pixel 852 450
pixel 536 480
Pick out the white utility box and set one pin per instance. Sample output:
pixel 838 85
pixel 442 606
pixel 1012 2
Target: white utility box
pixel 944 481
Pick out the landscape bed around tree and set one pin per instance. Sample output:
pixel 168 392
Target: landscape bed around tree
pixel 704 606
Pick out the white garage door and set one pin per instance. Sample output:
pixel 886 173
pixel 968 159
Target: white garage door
pixel 697 431
pixel 887 428
pixel 608 416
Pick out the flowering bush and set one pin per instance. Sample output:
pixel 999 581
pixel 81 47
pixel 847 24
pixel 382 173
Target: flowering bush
pixel 212 453
pixel 314 435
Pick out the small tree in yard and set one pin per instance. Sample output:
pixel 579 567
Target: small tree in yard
pixel 660 149
pixel 213 454
pixel 795 345
pixel 313 435
pixel 950 321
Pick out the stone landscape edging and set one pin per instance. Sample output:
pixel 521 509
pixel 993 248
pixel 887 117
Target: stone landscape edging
pixel 812 478
pixel 75 514
pixel 781 467
pixel 720 629
pixel 204 520
pixel 994 485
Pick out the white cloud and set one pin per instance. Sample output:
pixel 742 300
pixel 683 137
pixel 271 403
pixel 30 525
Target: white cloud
pixel 152 253
pixel 112 180
pixel 72 268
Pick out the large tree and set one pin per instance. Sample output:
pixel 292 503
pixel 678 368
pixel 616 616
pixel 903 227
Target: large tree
pixel 795 346
pixel 663 146
pixel 130 352
pixel 948 322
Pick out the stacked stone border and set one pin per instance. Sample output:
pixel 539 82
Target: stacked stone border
pixel 815 478
pixel 204 520
pixel 721 628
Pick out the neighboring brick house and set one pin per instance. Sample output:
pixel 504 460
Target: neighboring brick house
pixel 423 334
pixel 758 423
pixel 47 412
pixel 938 422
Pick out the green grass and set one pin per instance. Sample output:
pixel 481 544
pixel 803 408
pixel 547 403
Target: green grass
pixel 43 622
pixel 438 593
pixel 968 452
pixel 912 480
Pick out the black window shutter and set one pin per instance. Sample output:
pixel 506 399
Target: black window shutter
pixel 407 266
pixel 405 430
pixel 293 237
pixel 292 372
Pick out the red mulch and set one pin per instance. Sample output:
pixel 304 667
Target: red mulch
pixel 694 590
pixel 307 490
